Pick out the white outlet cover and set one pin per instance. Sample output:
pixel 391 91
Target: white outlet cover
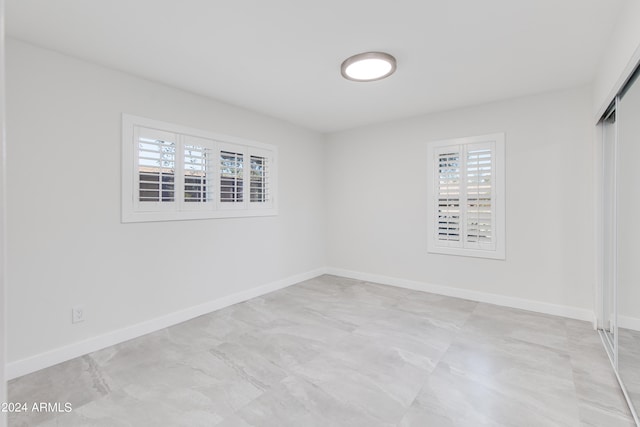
pixel 77 314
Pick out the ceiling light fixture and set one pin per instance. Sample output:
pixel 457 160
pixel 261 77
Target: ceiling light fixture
pixel 368 66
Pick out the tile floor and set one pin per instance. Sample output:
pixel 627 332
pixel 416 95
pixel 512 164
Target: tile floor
pixel 629 362
pixel 338 352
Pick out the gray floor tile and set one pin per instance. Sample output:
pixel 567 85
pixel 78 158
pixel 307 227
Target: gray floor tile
pixel 367 374
pixel 629 361
pixel 77 381
pixel 493 321
pixel 600 397
pixel 296 402
pixel 341 352
pixel 452 398
pixel 446 312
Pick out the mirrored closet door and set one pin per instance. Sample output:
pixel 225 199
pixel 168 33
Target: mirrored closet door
pixel 628 238
pixel 607 325
pixel 620 295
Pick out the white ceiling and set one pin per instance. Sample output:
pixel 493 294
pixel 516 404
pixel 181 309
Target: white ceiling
pixel 282 57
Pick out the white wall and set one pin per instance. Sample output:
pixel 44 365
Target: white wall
pixel 377 185
pixel 66 244
pixel 621 55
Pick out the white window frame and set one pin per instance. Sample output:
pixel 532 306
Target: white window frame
pixel 133 210
pixel 496 248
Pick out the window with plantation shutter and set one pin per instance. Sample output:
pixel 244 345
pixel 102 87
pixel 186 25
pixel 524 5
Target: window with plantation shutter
pixel 171 172
pixel 198 173
pixel 466 204
pixel 449 176
pixel 197 183
pixel 259 179
pixel 231 177
pixel 155 163
pixel 479 201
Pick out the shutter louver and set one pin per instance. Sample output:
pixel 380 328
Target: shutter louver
pixel 259 184
pixel 198 167
pixel 156 170
pixel 448 196
pixel 479 206
pixel 231 177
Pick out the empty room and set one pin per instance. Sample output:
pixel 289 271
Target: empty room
pixel 288 213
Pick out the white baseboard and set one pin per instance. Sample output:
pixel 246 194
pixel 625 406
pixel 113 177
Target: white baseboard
pixel 627 322
pixel 62 354
pixel 506 301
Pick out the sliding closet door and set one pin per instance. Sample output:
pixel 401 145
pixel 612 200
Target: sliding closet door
pixel 628 240
pixel 609 228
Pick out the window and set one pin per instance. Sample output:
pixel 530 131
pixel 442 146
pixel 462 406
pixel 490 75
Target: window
pixel 170 172
pixel 259 179
pixel 467 197
pixel 156 167
pixel 199 155
pixel 231 177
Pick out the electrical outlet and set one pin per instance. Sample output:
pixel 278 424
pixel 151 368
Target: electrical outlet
pixel 77 314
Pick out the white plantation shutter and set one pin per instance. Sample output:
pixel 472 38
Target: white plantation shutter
pixel 466 202
pixel 259 179
pixel 155 169
pixel 261 164
pixel 198 176
pixel 449 179
pixel 231 177
pixel 480 214
pixel 172 172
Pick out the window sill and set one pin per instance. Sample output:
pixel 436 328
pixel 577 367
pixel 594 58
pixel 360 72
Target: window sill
pixel 191 215
pixel 474 253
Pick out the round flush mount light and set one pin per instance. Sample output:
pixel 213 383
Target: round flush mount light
pixel 368 66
